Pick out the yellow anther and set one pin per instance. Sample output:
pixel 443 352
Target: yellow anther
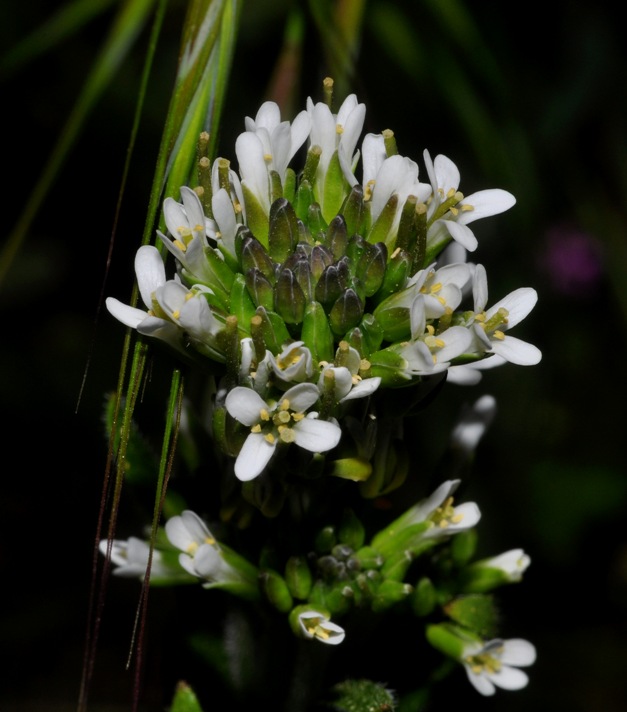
pixel 455 211
pixel 189 295
pixel 284 405
pixel 256 428
pixel 192 547
pixel 450 193
pixel 457 518
pixel 237 206
pixel 292 358
pixel 267 157
pixel 269 438
pixel 264 414
pixel 183 230
pixel 296 417
pixel 430 329
pixel 181 245
pixel 480 317
pixel 498 335
pixel 465 208
pixel 339 129
pixel 210 540
pixel 176 314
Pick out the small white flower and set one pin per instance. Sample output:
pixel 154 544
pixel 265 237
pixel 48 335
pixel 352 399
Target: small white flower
pixel 496 662
pixel 491 326
pixel 432 353
pixel 452 212
pixel 201 555
pixel 473 423
pixel 294 364
pixel 315 625
pixel 130 559
pixel 277 422
pixel 444 518
pixel 347 386
pixel 512 563
pixel 442 288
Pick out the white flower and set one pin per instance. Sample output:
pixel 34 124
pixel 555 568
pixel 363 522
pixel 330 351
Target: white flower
pixel 512 563
pixel 432 353
pixel 317 625
pixel 188 226
pixel 491 326
pixel 451 212
pixel 130 558
pixel 294 364
pixel 202 556
pixel 333 133
pixel 444 518
pixel 280 139
pixel 277 422
pixel 496 662
pixel 442 288
pixel 347 386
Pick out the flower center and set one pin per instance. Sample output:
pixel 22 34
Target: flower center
pixel 445 514
pixel 484 662
pixel 278 424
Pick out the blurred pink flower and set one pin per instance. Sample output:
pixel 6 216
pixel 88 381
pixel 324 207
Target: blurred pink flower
pixel 572 260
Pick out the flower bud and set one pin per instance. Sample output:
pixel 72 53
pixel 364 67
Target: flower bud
pixel 303 199
pixel 325 540
pixel 336 238
pixel 319 260
pixel 463 546
pixel 351 531
pixel 368 558
pixel 356 469
pixel 396 274
pixel 346 312
pixel 389 593
pixel 289 298
pixel 424 597
pixel 316 332
pixel 381 230
pixel 260 289
pixel 371 268
pixel 254 256
pixel 241 305
pixel 283 232
pixel 272 329
pixel 329 286
pixel 276 590
pixel 298 576
pixel 302 272
pixel 353 210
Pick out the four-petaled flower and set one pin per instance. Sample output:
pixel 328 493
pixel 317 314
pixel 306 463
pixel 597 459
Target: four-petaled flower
pixel 274 422
pixel 316 625
pixel 495 664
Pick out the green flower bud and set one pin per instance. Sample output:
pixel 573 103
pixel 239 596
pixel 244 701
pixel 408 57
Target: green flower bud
pixel 463 546
pixel 316 332
pixel 315 222
pixel 325 540
pixel 336 238
pixel 381 230
pixel 390 465
pixel 476 612
pixel 289 185
pixel 334 188
pixel 255 215
pixel 346 312
pixel 393 315
pixel 298 576
pixel 329 286
pixel 351 531
pixel 371 268
pixel 254 256
pixel 368 558
pixel 241 304
pixel 289 298
pixel 396 273
pixel 272 329
pixel 319 260
pixel 259 289
pixel 303 199
pixel 407 228
pixel 353 210
pixel 223 275
pixel 276 590
pixel 302 272
pixel 390 367
pixel 339 598
pixel 424 597
pixel 283 233
pixel 389 593
pixel 184 699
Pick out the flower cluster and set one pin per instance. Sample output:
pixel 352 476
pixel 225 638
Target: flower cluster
pixel 314 288
pixel 326 302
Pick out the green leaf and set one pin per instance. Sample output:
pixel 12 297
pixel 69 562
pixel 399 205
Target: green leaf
pixel 185 699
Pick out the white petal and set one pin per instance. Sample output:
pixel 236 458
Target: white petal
pixel 480 682
pixel 363 389
pixel 517 351
pixel 510 678
pixel 129 316
pixel 245 405
pixel 460 233
pixel 253 457
pixel 486 203
pixel 470 514
pixel 316 435
pixel 518 651
pixel 150 272
pixel 302 396
pixel 252 166
pixel 456 339
pixel 518 304
pixel 446 173
pixel 480 288
pixel 193 209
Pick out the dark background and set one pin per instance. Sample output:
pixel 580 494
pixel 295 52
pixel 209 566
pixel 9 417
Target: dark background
pixel 528 99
